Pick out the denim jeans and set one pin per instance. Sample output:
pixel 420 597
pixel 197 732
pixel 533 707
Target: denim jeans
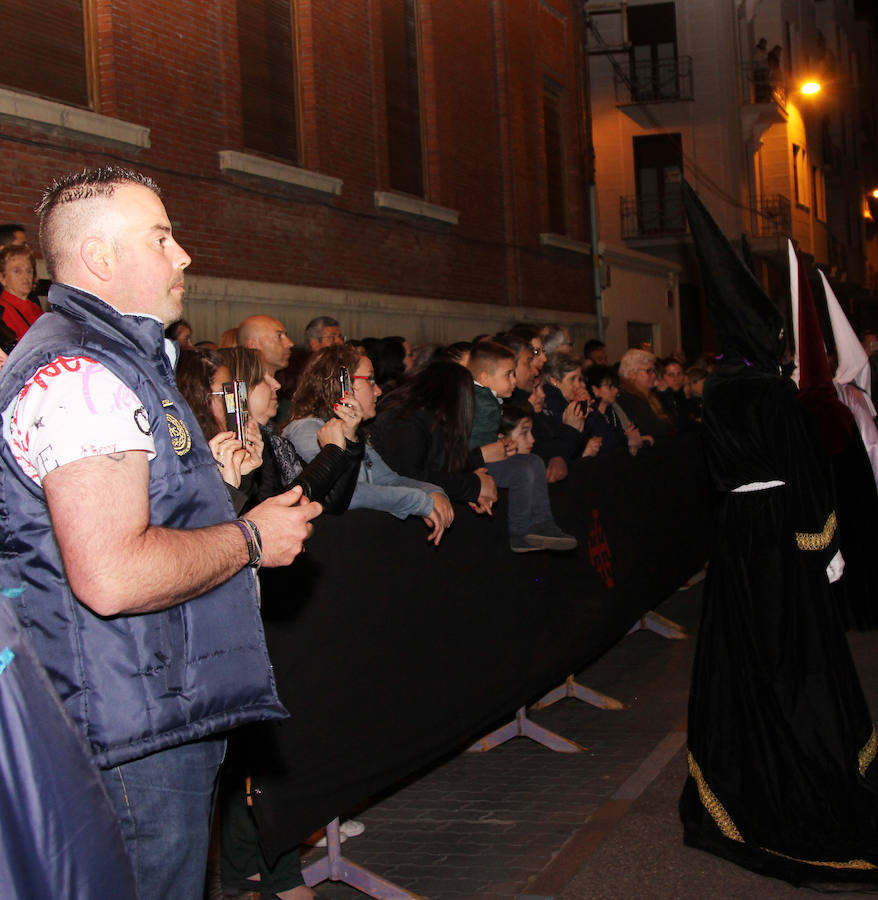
pixel 525 476
pixel 164 802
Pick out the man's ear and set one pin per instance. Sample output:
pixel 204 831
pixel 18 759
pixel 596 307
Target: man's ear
pixel 99 257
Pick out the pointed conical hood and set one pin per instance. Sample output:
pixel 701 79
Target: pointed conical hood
pixel 835 422
pixel 748 324
pixel 853 362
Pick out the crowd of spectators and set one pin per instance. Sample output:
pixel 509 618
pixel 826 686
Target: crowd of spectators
pixel 376 423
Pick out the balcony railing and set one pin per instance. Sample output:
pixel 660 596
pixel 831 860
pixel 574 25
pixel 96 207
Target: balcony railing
pixel 759 86
pixel 774 216
pixel 654 82
pixel 652 216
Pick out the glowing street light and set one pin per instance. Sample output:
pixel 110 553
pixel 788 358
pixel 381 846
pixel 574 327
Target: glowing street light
pixel 811 87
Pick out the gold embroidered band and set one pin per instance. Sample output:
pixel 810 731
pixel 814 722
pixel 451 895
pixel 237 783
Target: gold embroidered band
pixel 819 541
pixel 729 829
pixel 867 754
pixel 712 805
pixel 850 864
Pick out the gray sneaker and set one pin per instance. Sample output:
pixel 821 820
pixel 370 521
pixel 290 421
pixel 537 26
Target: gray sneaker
pixel 518 543
pixel 548 536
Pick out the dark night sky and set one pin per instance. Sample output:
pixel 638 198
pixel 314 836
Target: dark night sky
pixel 868 9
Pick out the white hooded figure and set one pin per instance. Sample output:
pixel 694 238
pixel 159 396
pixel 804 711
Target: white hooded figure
pixel 853 377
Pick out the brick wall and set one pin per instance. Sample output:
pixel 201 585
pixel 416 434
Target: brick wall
pixel 482 65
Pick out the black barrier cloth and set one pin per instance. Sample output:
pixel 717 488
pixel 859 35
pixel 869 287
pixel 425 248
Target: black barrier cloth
pixel 389 652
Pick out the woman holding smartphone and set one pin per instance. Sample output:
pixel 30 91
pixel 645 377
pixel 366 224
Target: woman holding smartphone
pixel 318 399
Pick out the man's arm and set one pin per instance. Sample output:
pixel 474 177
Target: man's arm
pixel 116 562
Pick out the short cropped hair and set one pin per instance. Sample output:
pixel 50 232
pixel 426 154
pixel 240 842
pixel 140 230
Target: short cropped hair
pixel 486 356
pixel 314 329
pixel 553 336
pixel 60 226
pixel 517 342
pixel 7 232
pixel 595 376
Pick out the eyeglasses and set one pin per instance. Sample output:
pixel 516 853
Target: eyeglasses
pixel 649 371
pixel 369 378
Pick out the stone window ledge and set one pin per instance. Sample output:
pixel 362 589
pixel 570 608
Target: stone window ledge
pixel 36 110
pixel 282 173
pixel 560 242
pixel 413 206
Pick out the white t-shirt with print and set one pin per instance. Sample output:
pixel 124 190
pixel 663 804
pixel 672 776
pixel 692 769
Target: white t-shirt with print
pixel 71 409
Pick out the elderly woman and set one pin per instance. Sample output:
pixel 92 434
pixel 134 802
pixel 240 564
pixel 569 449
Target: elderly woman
pixel 315 402
pixel 638 397
pixel 17 270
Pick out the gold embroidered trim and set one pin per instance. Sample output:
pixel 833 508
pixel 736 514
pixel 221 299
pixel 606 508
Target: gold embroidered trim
pixel 712 805
pixel 867 754
pixel 729 829
pixel 850 864
pixel 819 541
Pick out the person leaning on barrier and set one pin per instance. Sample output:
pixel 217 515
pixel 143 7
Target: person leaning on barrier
pixel 422 431
pixel 329 477
pixel 115 518
pixel 638 397
pixel 315 402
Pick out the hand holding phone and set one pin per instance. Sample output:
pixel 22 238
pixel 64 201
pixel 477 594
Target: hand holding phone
pixel 237 413
pixel 344 380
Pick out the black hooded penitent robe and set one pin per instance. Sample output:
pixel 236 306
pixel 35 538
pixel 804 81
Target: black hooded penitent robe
pixel 781 743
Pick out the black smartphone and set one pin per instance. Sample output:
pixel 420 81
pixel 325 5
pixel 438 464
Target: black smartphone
pixel 237 414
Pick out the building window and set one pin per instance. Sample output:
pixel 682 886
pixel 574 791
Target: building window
pixel 800 176
pixel 266 30
pixel 658 167
pixel 652 32
pixel 402 89
pixel 818 192
pixel 554 148
pixel 47 50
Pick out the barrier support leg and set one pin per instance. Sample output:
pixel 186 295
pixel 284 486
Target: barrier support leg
pixel 522 726
pixel 572 688
pixel 335 867
pixel 652 621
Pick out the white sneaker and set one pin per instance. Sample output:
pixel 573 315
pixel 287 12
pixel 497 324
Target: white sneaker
pixel 348 828
pixel 351 827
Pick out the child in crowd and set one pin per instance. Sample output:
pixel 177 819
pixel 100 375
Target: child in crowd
pixel 604 421
pixel 531 526
pixel 516 425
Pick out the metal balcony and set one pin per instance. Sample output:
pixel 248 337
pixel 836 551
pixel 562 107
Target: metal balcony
pixel 664 81
pixel 759 87
pixel 774 216
pixel 652 217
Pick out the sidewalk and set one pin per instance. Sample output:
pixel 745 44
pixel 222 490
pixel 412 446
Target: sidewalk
pixel 522 822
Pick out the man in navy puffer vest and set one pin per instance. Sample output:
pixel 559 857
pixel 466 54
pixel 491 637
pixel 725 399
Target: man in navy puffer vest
pixel 119 548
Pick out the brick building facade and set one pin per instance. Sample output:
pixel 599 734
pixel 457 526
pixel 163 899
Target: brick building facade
pixel 410 166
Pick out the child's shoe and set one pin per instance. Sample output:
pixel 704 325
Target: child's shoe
pixel 519 543
pixel 548 536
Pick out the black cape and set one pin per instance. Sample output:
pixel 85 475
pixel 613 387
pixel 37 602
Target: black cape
pixel 781 742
